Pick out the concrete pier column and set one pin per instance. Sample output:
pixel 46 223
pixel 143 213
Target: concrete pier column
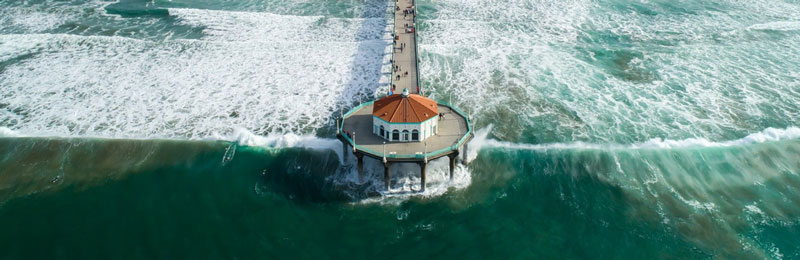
pixel 422 172
pixel 464 153
pixel 344 150
pixel 386 175
pixel 360 167
pixel 452 164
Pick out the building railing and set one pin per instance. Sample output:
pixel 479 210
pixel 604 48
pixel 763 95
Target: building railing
pixel 407 156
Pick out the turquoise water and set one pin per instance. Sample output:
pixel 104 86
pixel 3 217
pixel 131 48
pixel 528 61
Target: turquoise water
pixel 606 129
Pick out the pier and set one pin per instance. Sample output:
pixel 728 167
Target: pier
pixel 356 128
pixel 404 51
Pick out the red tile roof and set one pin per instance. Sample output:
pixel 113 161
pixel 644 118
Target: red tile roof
pixel 398 109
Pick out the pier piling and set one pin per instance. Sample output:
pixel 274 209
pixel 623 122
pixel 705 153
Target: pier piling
pixel 360 167
pixel 422 168
pixel 452 164
pixel 464 154
pixel 344 151
pixel 386 175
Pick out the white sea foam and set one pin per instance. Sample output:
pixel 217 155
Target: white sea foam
pixel 777 26
pixel 35 19
pixel 674 75
pixel 120 87
pixel 405 179
pixel 259 26
pixel 5 132
pixel 767 135
pixel 12 49
pixel 477 142
pixel 263 72
pixel 505 23
pixel 288 140
pixel 754 209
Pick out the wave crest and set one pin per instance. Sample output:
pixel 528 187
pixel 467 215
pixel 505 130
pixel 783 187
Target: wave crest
pixel 767 135
pixel 5 132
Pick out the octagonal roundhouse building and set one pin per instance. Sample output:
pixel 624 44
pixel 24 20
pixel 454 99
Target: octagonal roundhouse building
pixel 405 117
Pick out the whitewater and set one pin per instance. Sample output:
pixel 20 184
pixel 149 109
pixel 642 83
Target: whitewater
pixel 650 129
pixel 283 73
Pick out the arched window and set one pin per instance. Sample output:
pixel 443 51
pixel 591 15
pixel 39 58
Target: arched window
pixel 405 135
pixel 395 135
pixel 383 132
pixel 414 135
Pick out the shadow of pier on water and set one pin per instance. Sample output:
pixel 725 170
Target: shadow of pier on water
pixel 370 69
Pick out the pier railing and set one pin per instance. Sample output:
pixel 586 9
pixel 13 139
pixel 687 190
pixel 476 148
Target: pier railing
pixel 407 156
pixel 416 45
pixel 393 34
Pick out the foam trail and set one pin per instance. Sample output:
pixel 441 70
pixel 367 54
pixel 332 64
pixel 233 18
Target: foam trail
pixel 768 135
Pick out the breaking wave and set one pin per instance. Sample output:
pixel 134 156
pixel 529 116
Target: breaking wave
pixel 767 135
pixel 5 132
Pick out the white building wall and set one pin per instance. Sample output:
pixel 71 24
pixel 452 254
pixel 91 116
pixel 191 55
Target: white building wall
pixel 426 129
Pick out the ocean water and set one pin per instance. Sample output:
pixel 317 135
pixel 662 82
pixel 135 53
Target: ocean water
pixel 605 129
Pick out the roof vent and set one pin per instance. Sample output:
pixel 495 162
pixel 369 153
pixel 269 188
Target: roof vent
pixel 405 92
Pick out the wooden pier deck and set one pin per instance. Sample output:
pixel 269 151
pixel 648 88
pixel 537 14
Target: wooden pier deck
pixel 404 56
